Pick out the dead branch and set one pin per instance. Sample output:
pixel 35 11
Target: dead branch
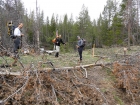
pixel 85 71
pixel 16 91
pixel 53 90
pixel 52 69
pixel 93 85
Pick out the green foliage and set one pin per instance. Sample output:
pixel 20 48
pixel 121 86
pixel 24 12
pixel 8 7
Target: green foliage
pixel 109 29
pixel 30 36
pixel 119 101
pixel 64 48
pixel 123 6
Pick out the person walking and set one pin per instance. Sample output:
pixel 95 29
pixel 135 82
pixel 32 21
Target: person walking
pixel 57 45
pixel 80 47
pixel 18 38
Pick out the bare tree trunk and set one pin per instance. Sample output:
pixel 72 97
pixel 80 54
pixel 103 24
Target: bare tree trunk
pixel 129 21
pixel 0 26
pixel 129 31
pixel 138 16
pixel 37 27
pixel 37 33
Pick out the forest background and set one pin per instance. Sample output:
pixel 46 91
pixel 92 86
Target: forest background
pixel 117 25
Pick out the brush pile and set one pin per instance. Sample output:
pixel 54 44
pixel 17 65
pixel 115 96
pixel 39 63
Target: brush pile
pixel 127 73
pixel 50 88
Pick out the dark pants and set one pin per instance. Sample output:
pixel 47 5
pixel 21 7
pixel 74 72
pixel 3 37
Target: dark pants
pixel 80 50
pixel 17 44
pixel 57 54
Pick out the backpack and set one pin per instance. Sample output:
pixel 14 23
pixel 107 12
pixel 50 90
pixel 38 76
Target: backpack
pixel 54 40
pixel 84 43
pixel 11 29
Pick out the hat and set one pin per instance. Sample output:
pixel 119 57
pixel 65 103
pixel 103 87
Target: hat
pixel 78 36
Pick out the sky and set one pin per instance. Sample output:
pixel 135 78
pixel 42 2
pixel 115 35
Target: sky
pixel 62 7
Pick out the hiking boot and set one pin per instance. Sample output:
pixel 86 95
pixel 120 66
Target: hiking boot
pixel 80 61
pixel 14 64
pixel 56 55
pixel 16 55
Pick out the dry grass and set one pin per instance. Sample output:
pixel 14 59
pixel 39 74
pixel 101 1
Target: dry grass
pixel 71 58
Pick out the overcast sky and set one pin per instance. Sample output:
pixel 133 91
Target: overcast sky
pixel 62 7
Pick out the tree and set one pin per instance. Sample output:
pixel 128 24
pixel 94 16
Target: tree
pixel 129 11
pixel 109 13
pixel 29 28
pixel 85 25
pixel 1 17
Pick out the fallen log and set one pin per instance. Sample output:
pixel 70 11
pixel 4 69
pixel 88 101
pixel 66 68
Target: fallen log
pixel 53 69
pixel 10 73
pixel 121 55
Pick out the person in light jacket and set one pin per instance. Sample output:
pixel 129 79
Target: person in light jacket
pixel 18 35
pixel 80 47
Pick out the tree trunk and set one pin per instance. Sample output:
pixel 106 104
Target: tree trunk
pixel 129 21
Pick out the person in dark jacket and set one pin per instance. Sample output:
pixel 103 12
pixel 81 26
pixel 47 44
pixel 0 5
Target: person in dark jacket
pixel 54 42
pixel 80 47
pixel 57 45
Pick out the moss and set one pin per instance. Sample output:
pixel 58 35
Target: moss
pixel 119 101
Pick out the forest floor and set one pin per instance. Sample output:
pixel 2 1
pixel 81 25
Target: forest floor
pixel 69 87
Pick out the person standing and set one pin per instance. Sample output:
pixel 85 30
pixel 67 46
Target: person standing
pixel 54 40
pixel 57 45
pixel 80 47
pixel 18 38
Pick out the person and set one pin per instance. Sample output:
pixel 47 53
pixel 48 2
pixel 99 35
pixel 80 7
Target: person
pixel 57 45
pixel 18 35
pixel 80 47
pixel 54 42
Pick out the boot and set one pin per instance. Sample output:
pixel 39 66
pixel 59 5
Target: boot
pixel 15 54
pixel 56 55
